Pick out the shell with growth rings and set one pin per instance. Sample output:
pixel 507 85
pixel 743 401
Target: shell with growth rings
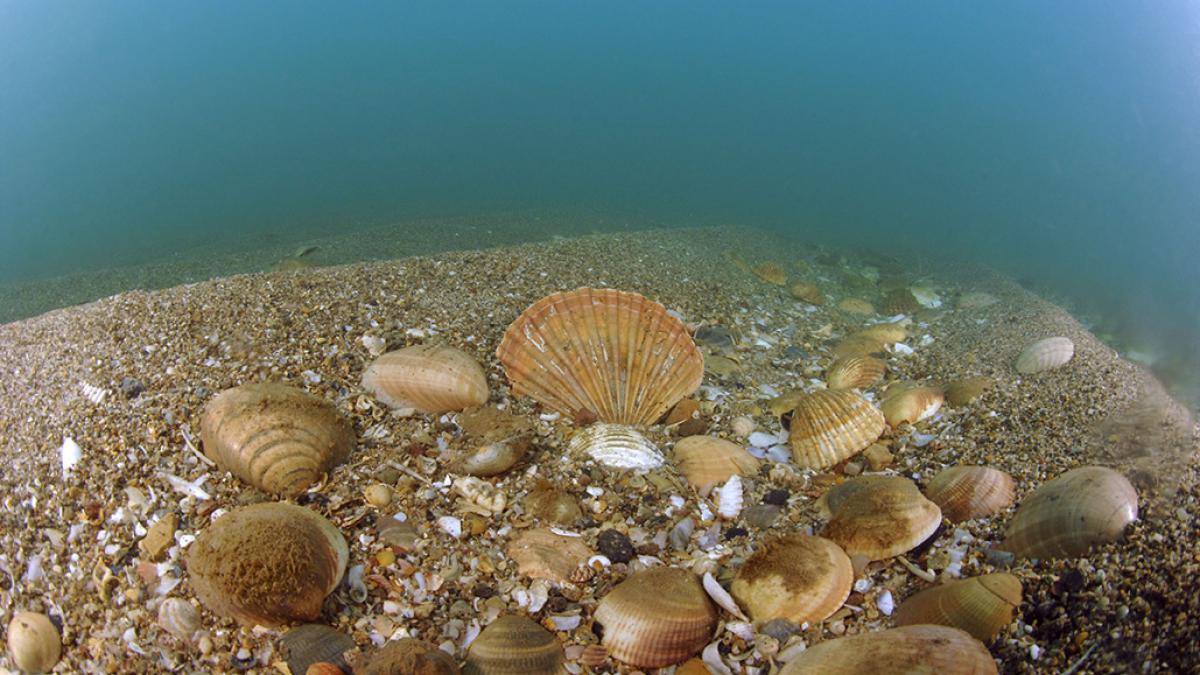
pixel 797 577
pixel 514 645
pixel 855 372
pixel 879 516
pixel 968 492
pixel 431 379
pixel 982 606
pixel 1045 354
pixel 1066 516
pixel 708 460
pixel 179 618
pixel 616 446
pixel 656 618
pixel 914 650
pixel 829 426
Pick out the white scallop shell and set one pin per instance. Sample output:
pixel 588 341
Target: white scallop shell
pixel 1045 355
pixel 616 446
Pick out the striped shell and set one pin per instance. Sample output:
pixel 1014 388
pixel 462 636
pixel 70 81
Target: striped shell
pixel 830 426
pixel 179 618
pixel 912 650
pixel 859 345
pixel 514 645
pixel 981 606
pixel 275 437
pixel 407 655
pixel 657 617
pixel 962 392
pixel 797 577
pixel 1045 355
pixel 33 642
pixel 602 355
pixel 314 643
pixel 910 402
pixel 900 301
pixel 968 492
pixel 708 460
pixel 432 379
pixel 855 372
pixel 1066 516
pixel 879 516
pixel 616 446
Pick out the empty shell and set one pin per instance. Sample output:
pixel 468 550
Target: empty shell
pixel 616 446
pixel 405 656
pixel 830 426
pixel 981 606
pixel 1066 516
pixel 807 292
pixel 966 492
pixel 962 392
pixel 179 618
pixel 429 378
pixel 913 650
pixel 542 554
pixel 514 645
pixel 656 618
pixel 314 643
pixel 859 345
pixel 910 402
pixel 855 372
pixel 879 516
pixel 33 642
pixel 1045 355
pixel 798 577
pixel 887 333
pixel 708 460
pixel 772 273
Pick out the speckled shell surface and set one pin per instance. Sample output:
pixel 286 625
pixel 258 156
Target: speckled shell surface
pixel 967 492
pixel 432 379
pixel 405 656
pixel 708 460
pixel 656 618
pixel 542 554
pixel 910 402
pixel 514 645
pixel 830 426
pixel 879 516
pixel 1045 355
pixel 981 606
pixel 911 650
pixel 855 372
pixel 798 577
pixel 616 446
pixel 1067 515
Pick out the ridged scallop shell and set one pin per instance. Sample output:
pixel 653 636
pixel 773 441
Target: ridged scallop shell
pixel 797 577
pixel 830 426
pixel 962 392
pixel 267 563
pixel 879 516
pixel 981 606
pixel 314 643
pixel 910 402
pixel 772 273
pixel 708 460
pixel 900 301
pixel 514 645
pixel 405 656
pixel 1066 516
pixel 275 437
pixel 855 372
pixel 912 650
pixel 616 446
pixel 656 618
pixel 33 642
pixel 601 354
pixel 1045 355
pixel 179 618
pixel 432 379
pixel 807 292
pixel 858 345
pixel 968 492
pixel 542 554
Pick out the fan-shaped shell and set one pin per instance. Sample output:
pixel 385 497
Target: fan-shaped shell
pixel 275 437
pixel 432 379
pixel 900 301
pixel 1045 355
pixel 772 273
pixel 962 392
pixel 601 354
pixel 855 372
pixel 858 345
pixel 912 650
pixel 514 645
pixel 314 643
pixel 616 446
pixel 879 516
pixel 967 492
pixel 981 606
pixel 830 426
pixel 267 563
pixel 910 402
pixel 33 642
pixel 708 460
pixel 657 617
pixel 179 618
pixel 887 333
pixel 407 656
pixel 1066 516
pixel 807 292
pixel 797 577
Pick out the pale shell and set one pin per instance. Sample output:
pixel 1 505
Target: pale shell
pixel 981 606
pixel 656 618
pixel 729 498
pixel 514 645
pixel 967 492
pixel 33 642
pixel 179 618
pixel 913 650
pixel 1066 516
pixel 830 426
pixel 708 460
pixel 431 379
pixel 542 554
pixel 911 403
pixel 616 446
pixel 879 516
pixel 1045 355
pixel 855 372
pixel 797 577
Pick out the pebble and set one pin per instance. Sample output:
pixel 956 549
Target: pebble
pixel 777 497
pixel 878 457
pixel 761 516
pixel 997 558
pixel 160 536
pixel 615 546
pixel 132 387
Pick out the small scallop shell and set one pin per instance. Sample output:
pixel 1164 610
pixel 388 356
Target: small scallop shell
pixel 33 642
pixel 797 577
pixel 968 492
pixel 910 402
pixel 542 554
pixel 315 643
pixel 616 446
pixel 407 655
pixel 656 618
pixel 830 426
pixel 1045 355
pixel 981 606
pixel 1066 516
pixel 855 372
pixel 708 460
pixel 915 650
pixel 807 292
pixel 179 618
pixel 879 516
pixel 514 645
pixel 962 392
pixel 772 273
pixel 432 379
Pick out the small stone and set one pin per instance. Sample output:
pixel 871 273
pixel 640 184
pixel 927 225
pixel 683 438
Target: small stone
pixel 483 591
pixel 997 558
pixel 132 387
pixel 777 497
pixel 761 516
pixel 389 476
pixel 615 546
pixel 1071 582
pixel 160 536
pixel 878 457
pixel 780 629
pixel 852 468
pixel 735 532
pixel 378 495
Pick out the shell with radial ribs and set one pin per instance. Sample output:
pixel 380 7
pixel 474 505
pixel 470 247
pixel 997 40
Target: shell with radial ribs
pixel 910 402
pixel 830 426
pixel 915 650
pixel 407 655
pixel 656 618
pixel 431 379
pixel 797 577
pixel 616 446
pixel 514 645
pixel 275 437
pixel 179 618
pixel 772 273
pixel 1045 354
pixel 1066 516
pixel 900 301
pixel 33 642
pixel 708 460
pixel 601 354
pixel 855 372
pixel 982 606
pixel 879 516
pixel 968 492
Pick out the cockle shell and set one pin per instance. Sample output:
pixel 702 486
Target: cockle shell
pixel 407 655
pixel 910 402
pixel 962 392
pixel 879 516
pixel 912 650
pixel 855 372
pixel 981 606
pixel 179 618
pixel 829 426
pixel 797 577
pixel 542 554
pixel 708 460
pixel 267 563
pixel 1045 355
pixel 601 354
pixel 656 618
pixel 1066 516
pixel 616 446
pixel 33 642
pixel 772 273
pixel 275 437
pixel 807 292
pixel 514 645
pixel 859 345
pixel 431 379
pixel 967 492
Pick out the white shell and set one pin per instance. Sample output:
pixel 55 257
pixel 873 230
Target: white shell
pixel 1045 355
pixel 616 446
pixel 730 498
pixel 179 618
pixel 71 454
pixel 722 597
pixel 481 493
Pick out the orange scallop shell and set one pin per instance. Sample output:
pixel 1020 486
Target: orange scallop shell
pixel 829 426
pixel 656 618
pixel 967 492
pixel 982 606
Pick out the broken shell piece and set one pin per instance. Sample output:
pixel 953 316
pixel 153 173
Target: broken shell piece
pixel 1066 516
pixel 855 372
pixel 707 460
pixel 910 402
pixel 915 650
pixel 722 597
pixel 830 426
pixel 404 656
pixel 33 642
pixel 797 577
pixel 542 554
pixel 729 498
pixel 879 516
pixel 616 446
pixel 656 618
pixel 967 492
pixel 981 606
pixel 179 618
pixel 432 379
pixel 1045 354
pixel 514 645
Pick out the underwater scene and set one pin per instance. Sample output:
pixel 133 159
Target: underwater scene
pixel 532 337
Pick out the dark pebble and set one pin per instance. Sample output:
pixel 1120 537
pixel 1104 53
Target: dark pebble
pixel 131 387
pixel 735 532
pixel 776 497
pixel 1071 582
pixel 483 591
pixel 615 546
pixel 780 629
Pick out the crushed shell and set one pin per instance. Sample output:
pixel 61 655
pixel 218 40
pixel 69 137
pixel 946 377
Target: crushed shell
pixel 1045 354
pixel 829 426
pixel 967 492
pixel 879 517
pixel 432 379
pixel 855 372
pixel 656 618
pixel 1066 516
pixel 981 606
pixel 514 645
pixel 797 577
pixel 913 650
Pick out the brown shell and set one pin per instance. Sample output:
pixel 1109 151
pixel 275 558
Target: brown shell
pixel 656 618
pixel 912 650
pixel 707 460
pixel 551 503
pixel 772 273
pixel 968 492
pixel 275 437
pixel 858 345
pixel 1066 516
pixel 601 354
pixel 887 333
pixel 879 516
pixel 514 645
pixel 33 642
pixel 855 372
pixel 910 402
pixel 830 426
pixel 542 554
pixel 267 563
pixel 856 306
pixel 900 301
pixel 981 606
pixel 407 656
pixel 797 577
pixel 1045 354
pixel 432 379
pixel 807 292
pixel 962 392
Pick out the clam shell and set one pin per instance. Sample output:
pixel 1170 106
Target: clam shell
pixel 708 460
pixel 179 618
pixel 657 617
pixel 514 645
pixel 797 577
pixel 858 345
pixel 772 273
pixel 855 372
pixel 315 643
pixel 616 446
pixel 604 355
pixel 856 306
pixel 275 437
pixel 807 292
pixel 967 492
pixel 830 426
pixel 911 403
pixel 432 379
pixel 267 563
pixel 981 606
pixel 912 650
pixel 962 392
pixel 1045 355
pixel 404 656
pixel 33 642
pixel 879 516
pixel 542 554
pixel 1066 516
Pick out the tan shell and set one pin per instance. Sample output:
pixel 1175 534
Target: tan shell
pixel 910 402
pixel 856 306
pixel 797 577
pixel 707 460
pixel 179 618
pixel 1045 355
pixel 267 563
pixel 887 333
pixel 772 273
pixel 879 516
pixel 324 668
pixel 514 645
pixel 1066 516
pixel 981 606
pixel 33 642
pixel 962 392
pixel 968 492
pixel 807 292
pixel 657 617
pixel 312 643
pixel 912 650
pixel 855 372
pixel 432 379
pixel 858 345
pixel 275 437
pixel 830 426
pixel 405 656
pixel 602 355
pixel 550 503
pixel 616 446
pixel 542 554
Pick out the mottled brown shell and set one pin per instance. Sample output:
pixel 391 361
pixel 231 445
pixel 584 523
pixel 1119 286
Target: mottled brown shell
pixel 431 379
pixel 1045 354
pixel 514 645
pixel 981 606
pixel 656 618
pixel 967 492
pixel 708 460
pixel 313 643
pixel 855 372
pixel 1066 516
pixel 856 306
pixel 912 650
pixel 859 345
pixel 830 426
pixel 407 656
pixel 807 292
pixel 772 273
pixel 962 392
pixel 887 333
pixel 542 554
pixel 879 516
pixel 910 402
pixel 797 577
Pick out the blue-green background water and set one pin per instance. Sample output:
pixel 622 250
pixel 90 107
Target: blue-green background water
pixel 1058 141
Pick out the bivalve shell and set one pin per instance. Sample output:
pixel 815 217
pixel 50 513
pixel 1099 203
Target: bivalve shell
pixel 708 460
pixel 855 372
pixel 859 345
pixel 1045 354
pixel 407 656
pixel 616 446
pixel 772 273
pixel 829 426
pixel 887 333
pixel 900 301
pixel 33 642
pixel 179 618
pixel 910 402
pixel 912 650
pixel 797 577
pixel 314 643
pixel 514 645
pixel 856 306
pixel 967 492
pixel 879 516
pixel 807 292
pixel 542 554
pixel 656 618
pixel 981 606
pixel 431 379
pixel 962 392
pixel 1066 516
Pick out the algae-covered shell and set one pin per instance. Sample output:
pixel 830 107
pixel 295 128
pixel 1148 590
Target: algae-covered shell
pixel 179 618
pixel 981 606
pixel 879 516
pixel 1066 516
pixel 616 446
pixel 1045 355
pixel 967 492
pixel 829 426
pixel 33 642
pixel 807 292
pixel 772 273
pixel 855 372
pixel 900 301
pixel 962 392
pixel 656 618
pixel 275 437
pixel 407 656
pixel 912 650
pixel 432 379
pixel 708 460
pixel 601 354
pixel 543 554
pixel 910 402
pixel 514 645
pixel 797 577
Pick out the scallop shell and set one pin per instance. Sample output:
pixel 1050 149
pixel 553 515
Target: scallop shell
pixel 797 577
pixel 900 301
pixel 33 642
pixel 1045 355
pixel 407 655
pixel 179 618
pixel 830 426
pixel 656 618
pixel 772 273
pixel 962 392
pixel 968 492
pixel 1066 516
pixel 314 643
pixel 879 516
pixel 855 372
pixel 807 292
pixel 542 554
pixel 708 460
pixel 858 345
pixel 616 446
pixel 910 402
pixel 267 563
pixel 514 645
pixel 275 437
pixel 981 606
pixel 432 379
pixel 604 355
pixel 913 650
pixel 856 306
